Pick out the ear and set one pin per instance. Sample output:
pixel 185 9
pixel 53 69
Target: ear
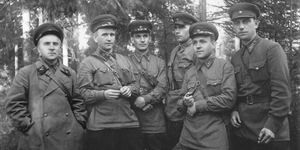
pixel 256 23
pixel 95 37
pixel 131 39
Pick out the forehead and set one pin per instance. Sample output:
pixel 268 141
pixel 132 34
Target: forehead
pixel 49 38
pixel 181 26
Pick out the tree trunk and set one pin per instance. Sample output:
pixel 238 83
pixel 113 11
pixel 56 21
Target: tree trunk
pixel 202 10
pixel 26 40
pixel 65 49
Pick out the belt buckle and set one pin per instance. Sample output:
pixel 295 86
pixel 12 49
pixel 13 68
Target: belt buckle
pixel 250 99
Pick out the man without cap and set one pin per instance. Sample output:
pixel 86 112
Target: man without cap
pixel 181 60
pixel 108 85
pixel 44 102
pixel 208 93
pixel 150 72
pixel 263 95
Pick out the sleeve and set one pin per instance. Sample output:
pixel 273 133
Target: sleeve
pixel 279 87
pixel 184 89
pixel 134 85
pixel 78 103
pixel 17 101
pixel 158 93
pixel 224 101
pixel 86 86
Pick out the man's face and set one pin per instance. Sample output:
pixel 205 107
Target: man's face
pixel 245 28
pixel 182 32
pixel 49 46
pixel 105 37
pixel 203 46
pixel 141 40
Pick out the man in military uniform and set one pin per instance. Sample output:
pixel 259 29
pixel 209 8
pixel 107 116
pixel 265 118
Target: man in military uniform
pixel 108 85
pixel 208 91
pixel 180 61
pixel 263 97
pixel 44 101
pixel 150 72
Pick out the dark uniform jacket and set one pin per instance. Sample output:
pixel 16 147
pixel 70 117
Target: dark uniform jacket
pixel 264 80
pixel 207 128
pixel 94 78
pixel 42 111
pixel 152 121
pixel 181 60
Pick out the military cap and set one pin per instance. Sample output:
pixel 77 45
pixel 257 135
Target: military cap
pixel 103 21
pixel 203 28
pixel 46 29
pixel 182 18
pixel 244 10
pixel 140 26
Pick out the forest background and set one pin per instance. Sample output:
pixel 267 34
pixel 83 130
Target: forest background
pixel 280 22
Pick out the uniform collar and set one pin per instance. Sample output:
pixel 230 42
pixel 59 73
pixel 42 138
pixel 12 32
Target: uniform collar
pixel 183 46
pixel 250 45
pixel 139 55
pixel 106 55
pixel 208 62
pixel 43 67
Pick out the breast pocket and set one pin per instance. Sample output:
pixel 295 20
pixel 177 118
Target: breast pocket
pixel 259 71
pixel 214 87
pixel 127 77
pixel 103 76
pixel 184 66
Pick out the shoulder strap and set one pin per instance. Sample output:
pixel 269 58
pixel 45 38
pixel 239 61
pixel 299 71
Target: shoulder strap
pixel 142 71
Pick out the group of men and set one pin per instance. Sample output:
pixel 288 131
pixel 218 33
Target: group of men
pixel 138 102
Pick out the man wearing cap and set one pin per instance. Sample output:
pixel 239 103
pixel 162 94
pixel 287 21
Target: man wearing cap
pixel 208 93
pixel 150 72
pixel 44 102
pixel 108 85
pixel 180 61
pixel 263 97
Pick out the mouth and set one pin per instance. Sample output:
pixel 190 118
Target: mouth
pixel 242 33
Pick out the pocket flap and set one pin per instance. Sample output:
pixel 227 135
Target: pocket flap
pixel 104 70
pixel 257 65
pixel 184 65
pixel 214 82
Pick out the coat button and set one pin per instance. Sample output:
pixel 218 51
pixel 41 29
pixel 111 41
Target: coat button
pixel 67 114
pixel 45 115
pixel 47 134
pixel 256 68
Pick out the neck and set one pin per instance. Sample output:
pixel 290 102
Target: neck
pixel 144 51
pixel 246 42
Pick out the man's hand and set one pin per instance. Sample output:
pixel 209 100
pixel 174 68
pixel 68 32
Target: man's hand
pixel 140 102
pixel 188 100
pixel 235 119
pixel 125 91
pixel 265 136
pixel 192 109
pixel 111 94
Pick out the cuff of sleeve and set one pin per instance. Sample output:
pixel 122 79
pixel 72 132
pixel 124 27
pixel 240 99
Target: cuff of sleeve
pixel 201 106
pixel 100 96
pixel 25 125
pixel 273 124
pixel 181 107
pixel 147 99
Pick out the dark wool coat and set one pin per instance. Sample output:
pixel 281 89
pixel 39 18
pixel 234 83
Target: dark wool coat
pixel 42 112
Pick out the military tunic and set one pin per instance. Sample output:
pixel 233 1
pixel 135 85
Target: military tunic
pixel 181 60
pixel 94 78
pixel 206 129
pixel 263 80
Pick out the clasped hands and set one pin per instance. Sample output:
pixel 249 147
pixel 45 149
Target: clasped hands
pixel 115 94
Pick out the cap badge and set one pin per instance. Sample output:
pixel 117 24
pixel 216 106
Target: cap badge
pixel 240 12
pixel 109 23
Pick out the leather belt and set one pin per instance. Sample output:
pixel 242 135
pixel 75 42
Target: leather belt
pixel 178 85
pixel 253 99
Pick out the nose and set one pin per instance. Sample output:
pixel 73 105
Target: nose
pixel 241 26
pixel 51 46
pixel 142 39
